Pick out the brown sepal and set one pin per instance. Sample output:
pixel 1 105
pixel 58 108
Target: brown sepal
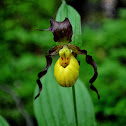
pixel 62 31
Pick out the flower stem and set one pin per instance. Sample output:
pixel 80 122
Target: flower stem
pixel 74 101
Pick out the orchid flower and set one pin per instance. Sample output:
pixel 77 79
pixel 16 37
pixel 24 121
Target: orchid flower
pixel 66 69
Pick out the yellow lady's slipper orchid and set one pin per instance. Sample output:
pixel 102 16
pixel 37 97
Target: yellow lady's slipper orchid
pixel 66 70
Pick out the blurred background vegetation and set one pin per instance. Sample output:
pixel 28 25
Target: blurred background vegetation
pixel 22 51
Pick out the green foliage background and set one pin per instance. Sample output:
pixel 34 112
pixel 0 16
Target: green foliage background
pixel 22 51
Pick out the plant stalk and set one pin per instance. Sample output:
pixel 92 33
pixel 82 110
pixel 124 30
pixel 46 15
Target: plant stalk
pixel 75 107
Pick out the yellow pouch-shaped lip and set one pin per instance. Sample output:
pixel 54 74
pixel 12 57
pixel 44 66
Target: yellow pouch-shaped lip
pixel 66 70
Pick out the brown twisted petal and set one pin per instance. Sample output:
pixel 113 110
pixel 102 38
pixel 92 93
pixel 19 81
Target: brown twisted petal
pixel 77 50
pixel 62 31
pixel 41 74
pixel 90 61
pixel 54 51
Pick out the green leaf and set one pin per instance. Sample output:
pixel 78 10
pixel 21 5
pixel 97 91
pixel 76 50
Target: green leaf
pixel 3 122
pixel 55 107
pixel 74 17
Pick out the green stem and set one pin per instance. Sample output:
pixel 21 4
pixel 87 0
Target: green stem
pixel 75 108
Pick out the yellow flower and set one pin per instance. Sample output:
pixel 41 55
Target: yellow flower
pixel 66 70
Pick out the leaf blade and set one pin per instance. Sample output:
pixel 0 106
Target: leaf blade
pixel 74 17
pixel 55 104
pixel 3 122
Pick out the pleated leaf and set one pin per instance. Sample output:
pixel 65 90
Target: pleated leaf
pixel 3 122
pixel 66 10
pixel 55 107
